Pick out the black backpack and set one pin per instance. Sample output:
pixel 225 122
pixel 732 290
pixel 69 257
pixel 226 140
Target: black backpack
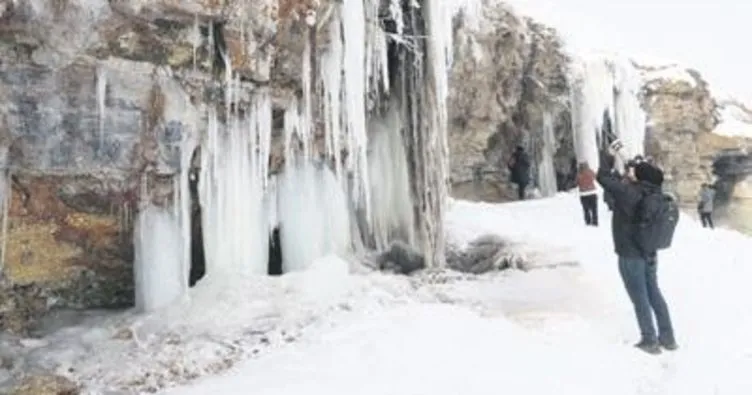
pixel 657 216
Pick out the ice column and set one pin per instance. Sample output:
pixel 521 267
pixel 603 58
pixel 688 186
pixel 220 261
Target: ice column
pixel 392 205
pixel 101 100
pixel 314 220
pixel 159 272
pixel 546 171
pixel 629 119
pixel 591 95
pixel 234 159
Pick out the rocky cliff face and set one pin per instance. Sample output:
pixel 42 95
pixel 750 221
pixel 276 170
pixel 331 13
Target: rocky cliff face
pixel 683 118
pixel 95 99
pixel 681 115
pixel 509 72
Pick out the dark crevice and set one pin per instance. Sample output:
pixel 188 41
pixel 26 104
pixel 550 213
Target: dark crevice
pixel 731 167
pixel 220 46
pixel 215 29
pixel 198 258
pixel 275 253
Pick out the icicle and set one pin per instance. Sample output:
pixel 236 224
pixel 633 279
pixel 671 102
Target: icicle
pixel 546 170
pixel 395 11
pixel 231 191
pixel 592 96
pixel 262 127
pixel 6 192
pixel 101 100
pixel 602 85
pixel 195 39
pixel 292 123
pixel 313 216
pixel 158 267
pixel 392 205
pixel 433 133
pixel 629 118
pixel 211 45
pixel 354 33
pixel 271 202
pixel 331 86
pixel 376 52
pixel 306 132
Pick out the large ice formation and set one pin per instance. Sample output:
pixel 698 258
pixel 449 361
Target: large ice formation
pixel 606 88
pixel 371 81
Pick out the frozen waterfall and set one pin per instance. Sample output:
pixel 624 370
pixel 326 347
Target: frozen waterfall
pixel 364 141
pixel 606 88
pixel 392 210
pixel 546 169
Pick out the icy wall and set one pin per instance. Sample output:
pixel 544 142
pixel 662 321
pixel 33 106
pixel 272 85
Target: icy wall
pixel 343 84
pixel 110 107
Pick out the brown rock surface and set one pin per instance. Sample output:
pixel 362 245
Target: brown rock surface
pixel 682 116
pixel 508 72
pixel 45 385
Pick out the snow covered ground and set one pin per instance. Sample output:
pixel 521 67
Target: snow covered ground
pixel 561 330
pixel 339 329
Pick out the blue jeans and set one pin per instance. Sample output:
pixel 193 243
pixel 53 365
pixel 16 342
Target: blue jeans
pixel 640 278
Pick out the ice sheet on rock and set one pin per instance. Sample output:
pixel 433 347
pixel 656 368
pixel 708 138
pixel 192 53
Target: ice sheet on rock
pixel 392 204
pixel 159 273
pixel 313 215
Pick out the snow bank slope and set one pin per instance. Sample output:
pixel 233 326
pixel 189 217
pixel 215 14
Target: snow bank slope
pixel 564 330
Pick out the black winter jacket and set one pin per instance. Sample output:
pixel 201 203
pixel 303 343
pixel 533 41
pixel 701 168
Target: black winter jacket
pixel 519 167
pixel 625 197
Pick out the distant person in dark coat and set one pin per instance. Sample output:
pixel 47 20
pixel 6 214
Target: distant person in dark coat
pixel 519 168
pixel 705 205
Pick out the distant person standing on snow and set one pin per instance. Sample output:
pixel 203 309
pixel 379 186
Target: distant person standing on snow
pixel 640 216
pixel 705 205
pixel 519 168
pixel 588 194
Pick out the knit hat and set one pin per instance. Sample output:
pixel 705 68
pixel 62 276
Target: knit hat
pixel 646 172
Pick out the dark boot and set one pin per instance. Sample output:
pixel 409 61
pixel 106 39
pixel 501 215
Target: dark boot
pixel 669 345
pixel 649 347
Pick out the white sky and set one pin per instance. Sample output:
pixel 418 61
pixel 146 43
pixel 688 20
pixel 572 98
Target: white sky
pixel 714 37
